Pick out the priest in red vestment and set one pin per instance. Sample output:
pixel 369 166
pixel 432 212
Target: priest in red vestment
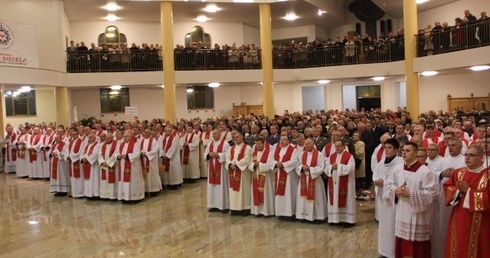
pixel 468 190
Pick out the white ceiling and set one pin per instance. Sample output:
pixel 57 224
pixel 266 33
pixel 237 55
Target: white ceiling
pixel 149 11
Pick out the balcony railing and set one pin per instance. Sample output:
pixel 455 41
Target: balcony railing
pixel 113 61
pixel 455 38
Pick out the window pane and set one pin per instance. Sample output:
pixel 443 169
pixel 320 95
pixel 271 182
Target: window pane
pixel 20 106
pixel 9 106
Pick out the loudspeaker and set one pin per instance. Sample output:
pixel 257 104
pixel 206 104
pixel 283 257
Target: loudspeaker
pixel 358 28
pixel 389 26
pixel 382 25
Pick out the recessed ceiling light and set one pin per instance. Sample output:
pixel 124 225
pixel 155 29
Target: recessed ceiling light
pixel 202 18
pixel 421 1
pixel 429 73
pixel 111 17
pixel 290 17
pixel 162 86
pixel 211 8
pixel 478 68
pixel 214 84
pixel 321 12
pixel 33 222
pixel 243 1
pixel 190 90
pixel 116 87
pixel 378 78
pixel 111 7
pixel 25 89
pixel 323 81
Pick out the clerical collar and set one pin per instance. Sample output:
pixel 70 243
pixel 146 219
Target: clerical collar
pixel 413 167
pixel 389 160
pixel 477 170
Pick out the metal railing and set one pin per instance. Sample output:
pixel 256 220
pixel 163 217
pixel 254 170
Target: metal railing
pixel 455 38
pixel 113 61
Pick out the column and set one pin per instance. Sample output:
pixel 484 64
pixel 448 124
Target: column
pixel 2 117
pixel 62 108
pixel 266 45
pixel 167 25
pixel 410 26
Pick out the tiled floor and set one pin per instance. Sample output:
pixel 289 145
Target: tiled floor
pixel 34 223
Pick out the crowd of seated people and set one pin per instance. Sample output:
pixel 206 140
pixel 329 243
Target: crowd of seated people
pixel 467 32
pixel 113 58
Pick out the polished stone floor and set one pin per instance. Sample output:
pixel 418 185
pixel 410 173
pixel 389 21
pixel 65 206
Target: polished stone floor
pixel 34 223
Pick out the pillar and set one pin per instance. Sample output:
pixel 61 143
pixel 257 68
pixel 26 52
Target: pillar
pixel 62 108
pixel 2 117
pixel 266 45
pixel 410 26
pixel 167 26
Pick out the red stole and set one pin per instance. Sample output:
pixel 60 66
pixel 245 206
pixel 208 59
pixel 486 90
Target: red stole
pixel 89 149
pixel 111 176
pixel 75 166
pixel 126 171
pixel 281 175
pixel 167 143
pixel 187 149
pixel 54 165
pixel 413 167
pixel 327 149
pixel 442 148
pixel 308 190
pixel 379 155
pixel 214 169
pixel 258 181
pixel 145 161
pixel 236 177
pixel 34 141
pixel 206 135
pixel 343 180
pixel 12 156
pixel 99 132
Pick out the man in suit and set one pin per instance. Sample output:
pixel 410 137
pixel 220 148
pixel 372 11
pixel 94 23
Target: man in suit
pixel 253 135
pixel 273 138
pixel 368 139
pixel 318 140
pixel 347 140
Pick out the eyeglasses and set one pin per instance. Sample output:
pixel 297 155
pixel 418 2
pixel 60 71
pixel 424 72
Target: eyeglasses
pixel 471 155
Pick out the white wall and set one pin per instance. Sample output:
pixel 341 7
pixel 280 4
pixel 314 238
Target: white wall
pixel 251 35
pixel 47 18
pixel 45 109
pixel 349 97
pixel 313 97
pixel 433 90
pixel 447 13
pixel 308 31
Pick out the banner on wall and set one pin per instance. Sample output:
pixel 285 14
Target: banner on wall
pixel 18 44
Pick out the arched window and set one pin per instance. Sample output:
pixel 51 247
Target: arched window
pixel 197 36
pixel 111 36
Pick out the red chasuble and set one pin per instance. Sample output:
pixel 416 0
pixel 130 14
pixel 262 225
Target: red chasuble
pixel 54 165
pixel 145 161
pixel 281 175
pixel 14 150
pixel 343 180
pixel 468 232
pixel 89 149
pixel 308 190
pixel 187 149
pixel 110 175
pixel 126 171
pixel 236 174
pixel 379 155
pixel 214 164
pixel 33 153
pixel 258 180
pixel 167 143
pixel 75 166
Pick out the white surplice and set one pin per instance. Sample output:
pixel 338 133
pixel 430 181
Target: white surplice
pixel 386 210
pixel 218 195
pixel 348 213
pixel 374 163
pixel 240 200
pixel 47 142
pixel 62 183
pixel 91 185
pixel 36 165
pixel 191 170
pixel 206 138
pixel 10 154
pixel 286 205
pixel 307 209
pixel 22 163
pixel 153 182
pixel 267 208
pixel 174 175
pixel 134 189
pixel 77 183
pixel 108 190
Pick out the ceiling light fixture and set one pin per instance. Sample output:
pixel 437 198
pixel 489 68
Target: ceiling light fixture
pixel 478 68
pixel 243 1
pixel 116 87
pixel 323 81
pixel 378 78
pixel 190 90
pixel 211 8
pixel 290 17
pixel 429 73
pixel 214 84
pixel 111 17
pixel 202 18
pixel 421 1
pixel 25 89
pixel 111 7
pixel 321 12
